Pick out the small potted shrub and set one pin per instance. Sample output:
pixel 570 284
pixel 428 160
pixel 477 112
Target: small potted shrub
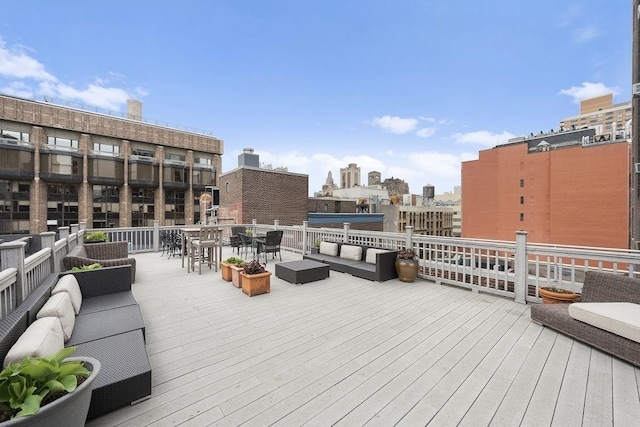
pixel 94 266
pixel 553 295
pixel 46 391
pixel 226 265
pixel 316 246
pixel 256 279
pixel 407 265
pixel 96 237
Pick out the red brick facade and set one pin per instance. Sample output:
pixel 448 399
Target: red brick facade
pixel 573 196
pixel 265 195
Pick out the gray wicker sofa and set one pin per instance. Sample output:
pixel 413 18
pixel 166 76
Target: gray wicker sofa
pixel 598 287
pixel 109 328
pixel 107 254
pixel 383 269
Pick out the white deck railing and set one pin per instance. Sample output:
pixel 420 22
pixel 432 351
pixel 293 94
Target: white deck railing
pixel 514 269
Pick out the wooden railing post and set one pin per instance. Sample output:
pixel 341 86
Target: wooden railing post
pixel 74 228
pixel 83 225
pixel 64 232
pixel 254 223
pixel 276 224
pixel 48 240
pixel 156 235
pixel 409 236
pixel 305 238
pixel 12 255
pixel 345 238
pixel 520 267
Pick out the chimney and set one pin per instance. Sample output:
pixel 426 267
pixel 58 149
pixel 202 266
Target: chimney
pixel 248 158
pixel 134 109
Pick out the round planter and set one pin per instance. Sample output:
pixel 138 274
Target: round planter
pixel 407 269
pixel 70 410
pixel 550 297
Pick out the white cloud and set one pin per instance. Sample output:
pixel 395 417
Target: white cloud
pixel 483 137
pixel 427 119
pixel 104 97
pixel 18 89
pixel 585 34
pixel 588 90
pixel 395 124
pixel 16 64
pixel 425 132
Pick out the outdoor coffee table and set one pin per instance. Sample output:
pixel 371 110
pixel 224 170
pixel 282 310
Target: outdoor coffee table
pixel 303 271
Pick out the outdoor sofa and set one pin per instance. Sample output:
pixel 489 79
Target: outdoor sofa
pixel 599 288
pixel 109 327
pixel 107 254
pixel 360 261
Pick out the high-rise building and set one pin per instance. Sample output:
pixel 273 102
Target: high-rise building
pixel 374 178
pixel 62 166
pixel 350 176
pixel 563 187
pixel 600 113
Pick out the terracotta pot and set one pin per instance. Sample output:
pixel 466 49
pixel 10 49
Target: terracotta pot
pixel 407 269
pixel 550 297
pixel 225 269
pixel 256 284
pixel 236 278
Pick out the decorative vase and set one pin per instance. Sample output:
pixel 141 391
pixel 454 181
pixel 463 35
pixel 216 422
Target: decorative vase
pixel 236 278
pixel 256 284
pixel 551 296
pixel 407 269
pixel 226 271
pixel 70 410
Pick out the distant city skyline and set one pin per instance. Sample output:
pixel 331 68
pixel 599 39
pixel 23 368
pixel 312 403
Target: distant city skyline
pixel 409 89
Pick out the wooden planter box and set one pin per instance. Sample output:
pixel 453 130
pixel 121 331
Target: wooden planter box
pixel 236 278
pixel 226 271
pixel 256 284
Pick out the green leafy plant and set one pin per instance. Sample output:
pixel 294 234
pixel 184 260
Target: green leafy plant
pixel 407 254
pixel 94 266
pixel 254 267
pixel 97 236
pixel 317 242
pixel 234 260
pixel 25 384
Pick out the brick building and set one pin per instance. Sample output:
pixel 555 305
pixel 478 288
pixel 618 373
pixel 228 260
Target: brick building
pixel 249 192
pixel 62 166
pixel 568 188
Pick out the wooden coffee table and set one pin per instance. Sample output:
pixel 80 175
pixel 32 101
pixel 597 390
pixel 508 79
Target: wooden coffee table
pixel 303 271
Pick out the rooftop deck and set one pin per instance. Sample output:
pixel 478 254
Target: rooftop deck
pixel 352 352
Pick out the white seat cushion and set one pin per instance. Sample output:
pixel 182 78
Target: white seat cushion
pixel 620 318
pixel 371 255
pixel 351 252
pixel 327 248
pixel 42 338
pixel 69 284
pixel 59 305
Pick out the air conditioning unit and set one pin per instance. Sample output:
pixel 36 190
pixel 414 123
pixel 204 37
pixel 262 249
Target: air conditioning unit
pixel 636 89
pixel 637 168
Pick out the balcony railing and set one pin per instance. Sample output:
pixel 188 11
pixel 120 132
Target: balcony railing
pixel 514 269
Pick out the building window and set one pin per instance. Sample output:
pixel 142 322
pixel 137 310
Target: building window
pixel 337 207
pixel 522 200
pixel 522 183
pixel 106 149
pixel 521 217
pixel 64 143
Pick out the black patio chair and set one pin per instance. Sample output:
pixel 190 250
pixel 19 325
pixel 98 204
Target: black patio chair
pixel 246 242
pixel 235 237
pixel 270 244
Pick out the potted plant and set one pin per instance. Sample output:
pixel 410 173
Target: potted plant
pixel 225 267
pixel 316 246
pixel 554 295
pixel 94 266
pixel 96 237
pixel 256 279
pixel 407 265
pixel 47 391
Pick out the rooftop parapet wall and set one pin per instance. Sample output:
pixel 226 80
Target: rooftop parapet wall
pixel 58 117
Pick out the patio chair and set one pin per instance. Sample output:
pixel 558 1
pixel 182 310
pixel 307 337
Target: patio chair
pixel 270 244
pixel 235 237
pixel 204 248
pixel 246 242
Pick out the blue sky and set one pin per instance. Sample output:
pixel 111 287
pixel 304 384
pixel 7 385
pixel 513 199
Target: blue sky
pixel 410 88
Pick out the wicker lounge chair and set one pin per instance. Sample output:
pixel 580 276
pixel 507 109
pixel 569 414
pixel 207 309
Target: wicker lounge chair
pixel 109 254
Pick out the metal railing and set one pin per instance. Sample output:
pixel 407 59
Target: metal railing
pixel 514 269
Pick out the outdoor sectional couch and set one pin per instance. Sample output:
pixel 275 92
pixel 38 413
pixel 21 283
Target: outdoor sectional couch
pixel 109 328
pixel 598 288
pixel 107 254
pixel 372 264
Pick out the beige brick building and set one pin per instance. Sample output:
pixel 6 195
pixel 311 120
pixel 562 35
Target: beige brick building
pixel 602 114
pixel 61 165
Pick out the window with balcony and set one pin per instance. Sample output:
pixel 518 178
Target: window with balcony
pixel 60 167
pixel 14 137
pixel 14 206
pixel 62 204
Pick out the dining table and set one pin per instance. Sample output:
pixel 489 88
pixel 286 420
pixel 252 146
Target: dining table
pixel 192 232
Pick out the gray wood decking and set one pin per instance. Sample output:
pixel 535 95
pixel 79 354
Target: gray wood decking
pixel 351 352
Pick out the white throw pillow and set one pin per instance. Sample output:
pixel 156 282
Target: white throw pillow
pixel 59 305
pixel 327 248
pixel 351 252
pixel 42 338
pixel 620 318
pixel 371 255
pixel 69 284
